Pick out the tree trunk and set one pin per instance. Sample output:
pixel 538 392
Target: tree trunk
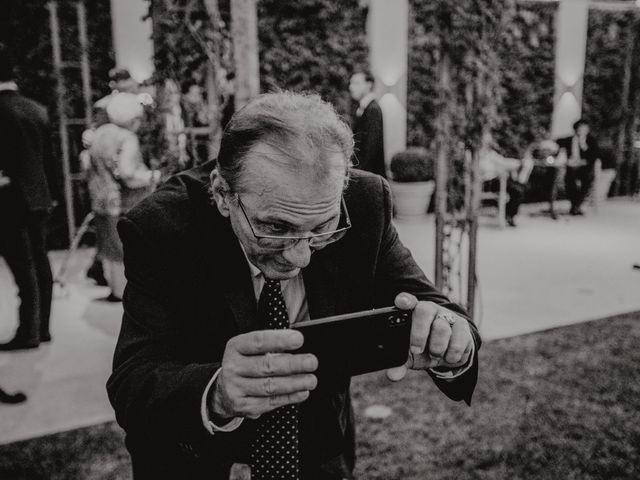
pixel 622 157
pixel 244 34
pixel 443 133
pixel 212 85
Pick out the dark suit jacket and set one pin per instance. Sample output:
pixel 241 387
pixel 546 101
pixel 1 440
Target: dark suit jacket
pixel 369 140
pixel 590 155
pixel 189 290
pixel 25 154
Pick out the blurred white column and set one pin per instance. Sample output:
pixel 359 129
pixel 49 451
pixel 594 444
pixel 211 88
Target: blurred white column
pixel 387 33
pixel 571 46
pixel 132 40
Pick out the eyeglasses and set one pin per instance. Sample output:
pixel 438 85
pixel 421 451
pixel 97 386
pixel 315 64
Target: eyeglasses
pixel 316 241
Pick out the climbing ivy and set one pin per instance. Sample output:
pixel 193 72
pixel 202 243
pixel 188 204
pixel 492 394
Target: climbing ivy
pixel 611 83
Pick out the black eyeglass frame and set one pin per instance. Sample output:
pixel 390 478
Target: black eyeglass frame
pixel 290 241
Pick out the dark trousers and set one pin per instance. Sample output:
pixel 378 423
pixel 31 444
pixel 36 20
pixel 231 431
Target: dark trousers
pixel 23 246
pixel 551 181
pixel 578 183
pixel 515 190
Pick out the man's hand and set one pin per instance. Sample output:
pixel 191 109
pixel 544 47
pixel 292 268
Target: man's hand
pixel 258 375
pixel 434 341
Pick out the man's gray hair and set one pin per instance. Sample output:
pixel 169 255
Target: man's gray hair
pixel 301 126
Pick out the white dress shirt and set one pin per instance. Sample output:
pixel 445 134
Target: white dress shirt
pixel 11 86
pixel 364 103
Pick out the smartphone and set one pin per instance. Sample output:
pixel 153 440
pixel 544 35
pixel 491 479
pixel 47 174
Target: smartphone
pixel 356 343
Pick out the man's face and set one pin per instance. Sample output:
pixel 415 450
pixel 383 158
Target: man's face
pixel 285 201
pixel 359 87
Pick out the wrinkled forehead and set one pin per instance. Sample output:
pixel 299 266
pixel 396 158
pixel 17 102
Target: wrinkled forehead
pixel 270 165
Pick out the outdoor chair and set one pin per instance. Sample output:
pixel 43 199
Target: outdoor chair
pixel 500 197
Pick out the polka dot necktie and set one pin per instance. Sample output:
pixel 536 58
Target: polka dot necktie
pixel 274 449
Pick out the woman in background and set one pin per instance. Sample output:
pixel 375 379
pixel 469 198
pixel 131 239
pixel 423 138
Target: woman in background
pixel 118 179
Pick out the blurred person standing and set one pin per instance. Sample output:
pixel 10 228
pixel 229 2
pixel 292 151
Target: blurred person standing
pixel 367 125
pixel 120 81
pixel 118 179
pixel 26 180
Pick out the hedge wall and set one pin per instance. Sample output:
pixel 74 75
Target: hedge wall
pixel 527 56
pixel 24 28
pixel 312 45
pixel 611 84
pixel 511 43
pixel 304 45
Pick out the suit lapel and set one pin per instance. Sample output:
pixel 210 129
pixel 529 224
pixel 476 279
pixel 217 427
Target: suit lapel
pixel 322 283
pixel 225 265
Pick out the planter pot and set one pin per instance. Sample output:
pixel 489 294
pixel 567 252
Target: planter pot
pixel 603 184
pixel 411 199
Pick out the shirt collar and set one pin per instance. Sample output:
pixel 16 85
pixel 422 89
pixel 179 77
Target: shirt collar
pixel 366 100
pixel 12 86
pixel 255 271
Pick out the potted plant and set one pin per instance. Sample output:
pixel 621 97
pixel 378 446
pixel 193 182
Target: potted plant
pixel 412 181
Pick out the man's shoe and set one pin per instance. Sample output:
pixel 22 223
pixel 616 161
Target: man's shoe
pixel 511 222
pixel 18 397
pixel 111 298
pixel 18 344
pixel 576 211
pixel 45 338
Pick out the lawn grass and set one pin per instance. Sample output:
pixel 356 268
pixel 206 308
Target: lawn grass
pixel 562 404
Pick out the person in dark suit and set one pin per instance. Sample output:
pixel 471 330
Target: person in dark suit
pixel 200 372
pixel 367 125
pixel 25 201
pixel 582 153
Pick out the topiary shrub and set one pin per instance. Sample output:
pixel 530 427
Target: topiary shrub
pixel 412 165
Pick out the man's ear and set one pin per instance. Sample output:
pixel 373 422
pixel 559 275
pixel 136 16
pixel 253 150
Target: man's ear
pixel 220 188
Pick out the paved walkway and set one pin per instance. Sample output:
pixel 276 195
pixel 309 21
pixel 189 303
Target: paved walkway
pixel 541 275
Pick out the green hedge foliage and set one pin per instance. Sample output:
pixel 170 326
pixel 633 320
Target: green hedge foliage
pixel 24 28
pixel 304 45
pixel 611 86
pixel 505 46
pixel 312 45
pixel 527 57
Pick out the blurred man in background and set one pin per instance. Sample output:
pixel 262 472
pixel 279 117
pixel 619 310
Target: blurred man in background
pixel 25 200
pixel 367 125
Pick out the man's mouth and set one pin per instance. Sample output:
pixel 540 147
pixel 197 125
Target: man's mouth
pixel 284 268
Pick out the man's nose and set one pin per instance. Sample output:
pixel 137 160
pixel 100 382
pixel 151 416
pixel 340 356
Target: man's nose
pixel 299 254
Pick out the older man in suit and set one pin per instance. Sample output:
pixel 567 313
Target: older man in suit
pixel 25 200
pixel 367 125
pixel 221 260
